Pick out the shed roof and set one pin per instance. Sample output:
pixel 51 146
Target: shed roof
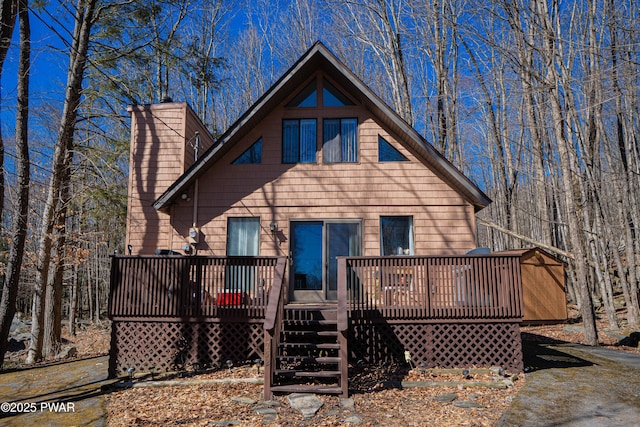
pixel 530 250
pixel 320 57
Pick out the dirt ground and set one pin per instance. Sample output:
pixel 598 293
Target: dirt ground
pixel 375 403
pixel 377 399
pixel 202 405
pixel 90 340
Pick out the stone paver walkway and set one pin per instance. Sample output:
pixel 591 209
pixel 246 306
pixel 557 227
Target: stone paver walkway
pixel 65 394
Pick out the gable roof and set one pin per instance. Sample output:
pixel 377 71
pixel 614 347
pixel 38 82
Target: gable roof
pixel 320 57
pixel 531 251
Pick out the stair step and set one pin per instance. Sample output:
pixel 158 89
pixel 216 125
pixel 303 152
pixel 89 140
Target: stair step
pixel 295 388
pixel 308 374
pixel 316 322
pixel 311 333
pixel 308 345
pixel 309 359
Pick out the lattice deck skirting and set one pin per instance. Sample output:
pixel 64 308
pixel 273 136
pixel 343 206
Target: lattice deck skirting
pixel 443 345
pixel 161 346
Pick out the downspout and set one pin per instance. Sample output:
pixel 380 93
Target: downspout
pixel 195 188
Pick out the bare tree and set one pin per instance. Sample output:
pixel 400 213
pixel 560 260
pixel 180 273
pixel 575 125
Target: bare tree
pixel 378 27
pixel 78 55
pixel 553 80
pixel 19 223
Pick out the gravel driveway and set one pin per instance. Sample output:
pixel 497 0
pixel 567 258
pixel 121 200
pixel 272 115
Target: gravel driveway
pixel 577 385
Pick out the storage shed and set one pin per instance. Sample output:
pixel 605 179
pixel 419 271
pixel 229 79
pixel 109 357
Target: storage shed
pixel 543 285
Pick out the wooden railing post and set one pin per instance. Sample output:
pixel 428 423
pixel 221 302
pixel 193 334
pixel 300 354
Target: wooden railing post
pixel 114 284
pixel 343 316
pixel 343 324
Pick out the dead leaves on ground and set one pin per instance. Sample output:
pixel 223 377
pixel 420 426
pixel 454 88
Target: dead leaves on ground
pixel 211 404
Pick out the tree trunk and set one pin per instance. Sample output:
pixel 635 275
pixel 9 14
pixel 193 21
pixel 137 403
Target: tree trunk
pixel 626 156
pixel 52 340
pixel 568 175
pixel 77 63
pixel 89 291
pixel 19 219
pixel 73 301
pixel 8 13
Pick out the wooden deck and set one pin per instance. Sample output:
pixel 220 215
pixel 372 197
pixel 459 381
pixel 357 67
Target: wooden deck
pixel 191 288
pixel 170 312
pixel 455 288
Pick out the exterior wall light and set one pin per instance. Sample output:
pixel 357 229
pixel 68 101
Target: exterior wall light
pixel 273 227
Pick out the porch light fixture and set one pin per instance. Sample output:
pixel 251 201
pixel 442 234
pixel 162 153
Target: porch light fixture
pixel 273 227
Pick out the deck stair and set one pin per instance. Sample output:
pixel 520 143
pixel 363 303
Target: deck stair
pixel 311 355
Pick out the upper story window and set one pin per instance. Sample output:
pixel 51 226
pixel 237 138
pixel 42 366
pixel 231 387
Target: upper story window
pixel 252 155
pixel 340 140
pixel 388 153
pixel 306 98
pixel 299 141
pixel 332 97
pixel 340 135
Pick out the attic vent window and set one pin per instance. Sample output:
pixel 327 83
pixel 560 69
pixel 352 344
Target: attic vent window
pixel 252 155
pixel 332 97
pixel 388 153
pixel 306 98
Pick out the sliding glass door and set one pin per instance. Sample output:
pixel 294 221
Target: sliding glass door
pixel 315 246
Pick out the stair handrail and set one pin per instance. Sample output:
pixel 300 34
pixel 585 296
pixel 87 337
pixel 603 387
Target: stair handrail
pixel 342 317
pixel 273 324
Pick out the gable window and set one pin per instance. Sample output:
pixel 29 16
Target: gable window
pixel 340 144
pixel 252 155
pixel 306 98
pixel 396 235
pixel 332 97
pixel 388 153
pixel 299 141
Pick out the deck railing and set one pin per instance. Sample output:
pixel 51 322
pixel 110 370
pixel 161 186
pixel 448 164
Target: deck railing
pixel 191 287
pixel 273 325
pixel 437 287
